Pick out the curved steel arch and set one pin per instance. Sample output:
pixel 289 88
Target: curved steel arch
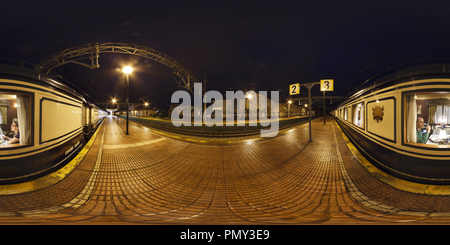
pixel 92 50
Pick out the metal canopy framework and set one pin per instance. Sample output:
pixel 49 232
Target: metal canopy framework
pixel 92 50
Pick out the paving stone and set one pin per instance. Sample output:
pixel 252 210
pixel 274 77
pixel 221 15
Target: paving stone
pixel 148 177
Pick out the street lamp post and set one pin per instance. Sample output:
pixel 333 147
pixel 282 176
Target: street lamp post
pixel 113 103
pixel 309 86
pixel 146 109
pixel 127 70
pixel 289 108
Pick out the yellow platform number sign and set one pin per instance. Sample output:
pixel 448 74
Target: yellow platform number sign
pixel 294 88
pixel 326 85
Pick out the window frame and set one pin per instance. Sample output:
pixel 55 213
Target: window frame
pixel 403 118
pixel 355 106
pixel 32 117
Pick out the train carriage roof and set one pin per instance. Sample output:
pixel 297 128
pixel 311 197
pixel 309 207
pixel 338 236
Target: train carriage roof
pixel 412 73
pixel 16 71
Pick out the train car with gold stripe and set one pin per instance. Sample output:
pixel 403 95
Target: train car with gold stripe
pixel 41 124
pixel 93 116
pixel 401 123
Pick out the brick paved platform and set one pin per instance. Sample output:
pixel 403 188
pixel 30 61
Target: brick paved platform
pixel 152 178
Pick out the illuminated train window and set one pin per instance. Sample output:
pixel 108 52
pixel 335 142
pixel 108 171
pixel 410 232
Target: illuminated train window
pixel 427 118
pixel 15 119
pixel 349 114
pixel 358 115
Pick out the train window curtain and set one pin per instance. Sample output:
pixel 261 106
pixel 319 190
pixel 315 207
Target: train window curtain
pixel 361 123
pixel 445 114
pixel 4 115
pixel 439 114
pixel 23 115
pixel 431 114
pixel 358 116
pixel 355 116
pixel 411 118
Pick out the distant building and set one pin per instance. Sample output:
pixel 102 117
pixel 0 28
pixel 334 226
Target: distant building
pixel 144 111
pixel 250 106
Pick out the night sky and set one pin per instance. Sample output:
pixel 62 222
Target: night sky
pixel 260 45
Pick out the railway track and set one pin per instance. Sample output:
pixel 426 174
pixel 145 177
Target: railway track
pixel 215 132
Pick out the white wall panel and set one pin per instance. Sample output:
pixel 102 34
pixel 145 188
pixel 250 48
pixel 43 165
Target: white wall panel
pixel 386 126
pixel 59 119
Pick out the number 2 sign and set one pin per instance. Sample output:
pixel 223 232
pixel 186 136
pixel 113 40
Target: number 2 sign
pixel 294 89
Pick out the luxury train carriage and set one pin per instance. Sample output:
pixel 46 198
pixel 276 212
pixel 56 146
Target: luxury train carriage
pixel 401 123
pixel 45 124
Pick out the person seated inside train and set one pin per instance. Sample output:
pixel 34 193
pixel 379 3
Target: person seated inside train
pixel 421 137
pixel 16 137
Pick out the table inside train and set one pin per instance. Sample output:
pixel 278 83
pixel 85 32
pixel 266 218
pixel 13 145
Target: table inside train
pixel 439 137
pixel 3 141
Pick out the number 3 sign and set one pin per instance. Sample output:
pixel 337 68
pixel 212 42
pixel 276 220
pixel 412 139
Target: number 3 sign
pixel 326 85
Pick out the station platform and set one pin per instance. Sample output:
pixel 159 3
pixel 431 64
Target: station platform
pixel 153 177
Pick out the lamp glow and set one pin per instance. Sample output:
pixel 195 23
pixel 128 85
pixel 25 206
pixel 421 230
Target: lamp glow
pixel 127 69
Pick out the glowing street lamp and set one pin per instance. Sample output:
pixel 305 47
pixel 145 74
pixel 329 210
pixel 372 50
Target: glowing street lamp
pixel 114 102
pixel 127 70
pixel 146 109
pixel 290 102
pixel 289 108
